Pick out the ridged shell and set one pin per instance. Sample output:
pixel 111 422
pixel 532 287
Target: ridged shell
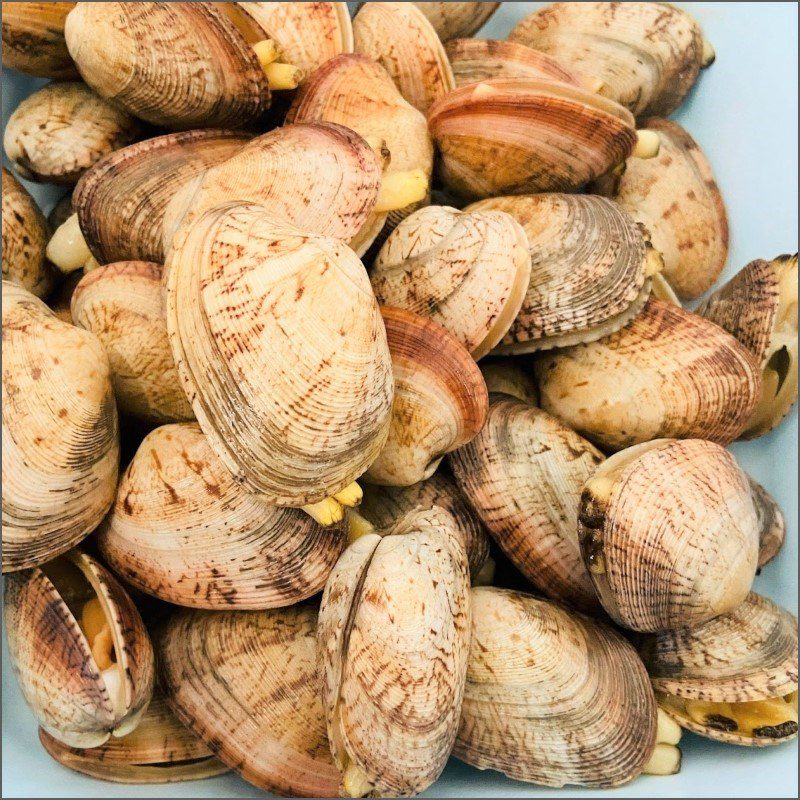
pixel 468 271
pixel 669 533
pixel 552 697
pixel 60 435
pixel 588 269
pixel 451 20
pixel 248 685
pixel 523 474
pixel 122 304
pixel 182 530
pixel 281 350
pixel 179 65
pixel 520 136
pixel 669 373
pixel 394 640
pixel 440 399
pixel 73 699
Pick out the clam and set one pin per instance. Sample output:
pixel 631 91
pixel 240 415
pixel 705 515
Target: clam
pixel 452 19
pixel 670 534
pixel 440 399
pixel 759 307
pixel 647 55
pixel 506 376
pixel 60 212
pixel 122 305
pixel 405 44
pixel 733 679
pixel 393 640
pixel 523 474
pixel 590 265
pixel 57 133
pixel 553 697
pixel 468 271
pixel 24 239
pixel 182 530
pixel 60 436
pixel 79 650
pixel 248 685
pixel 668 373
pixel 772 524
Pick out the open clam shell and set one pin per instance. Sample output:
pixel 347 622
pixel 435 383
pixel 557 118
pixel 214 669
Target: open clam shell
pixel 79 649
pixel 248 685
pixel 451 20
pixel 733 679
pixel 669 533
pixel 552 697
pixel 667 373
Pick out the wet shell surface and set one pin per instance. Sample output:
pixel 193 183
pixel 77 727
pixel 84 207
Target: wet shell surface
pixel 122 305
pixel 60 434
pixel 669 373
pixel 468 271
pixel 552 697
pixel 248 686
pixel 589 268
pixel 523 474
pixel 669 533
pixel 393 640
pixel 452 20
pixel 79 650
pixel 281 350
pixel 440 399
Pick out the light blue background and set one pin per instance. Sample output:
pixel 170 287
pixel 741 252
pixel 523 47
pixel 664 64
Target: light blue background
pixel 743 113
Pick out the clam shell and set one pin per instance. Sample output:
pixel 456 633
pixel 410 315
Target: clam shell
pixel 60 212
pixel 281 351
pixel 523 474
pixel 669 533
pixel 440 399
pixel 182 530
pixel 772 524
pixel 669 373
pixel 247 684
pixel 589 262
pixel 468 271
pixel 73 700
pixel 60 434
pixel 552 697
pixel 451 20
pixel 122 305
pixel 506 376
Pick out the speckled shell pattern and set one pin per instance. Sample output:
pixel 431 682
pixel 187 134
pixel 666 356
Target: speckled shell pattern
pixel 248 685
pixel 393 640
pixel 552 697
pixel 182 530
pixel 588 261
pixel 452 20
pixel 523 474
pixel 281 350
pixel 668 373
pixel 648 55
pixel 60 433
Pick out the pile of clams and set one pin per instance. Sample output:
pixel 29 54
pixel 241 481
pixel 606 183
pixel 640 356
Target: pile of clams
pixel 351 418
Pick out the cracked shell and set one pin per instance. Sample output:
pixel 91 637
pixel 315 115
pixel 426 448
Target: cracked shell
pixel 452 20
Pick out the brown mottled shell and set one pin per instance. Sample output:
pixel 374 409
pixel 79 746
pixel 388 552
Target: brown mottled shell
pixel 772 524
pixel 57 133
pixel 179 65
pixel 33 39
pixel 182 530
pixel 122 304
pixel 281 350
pixel 552 697
pixel 468 271
pixel 669 533
pixel 73 699
pixel 648 55
pixel 523 474
pixel 589 262
pixel 507 376
pixel 452 20
pixel 440 399
pixel 121 201
pixel 393 641
pixel 25 237
pixel 522 135
pixel 249 687
pixel 668 373
pixel 60 434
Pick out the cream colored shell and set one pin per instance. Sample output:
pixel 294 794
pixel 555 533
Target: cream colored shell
pixel 453 19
